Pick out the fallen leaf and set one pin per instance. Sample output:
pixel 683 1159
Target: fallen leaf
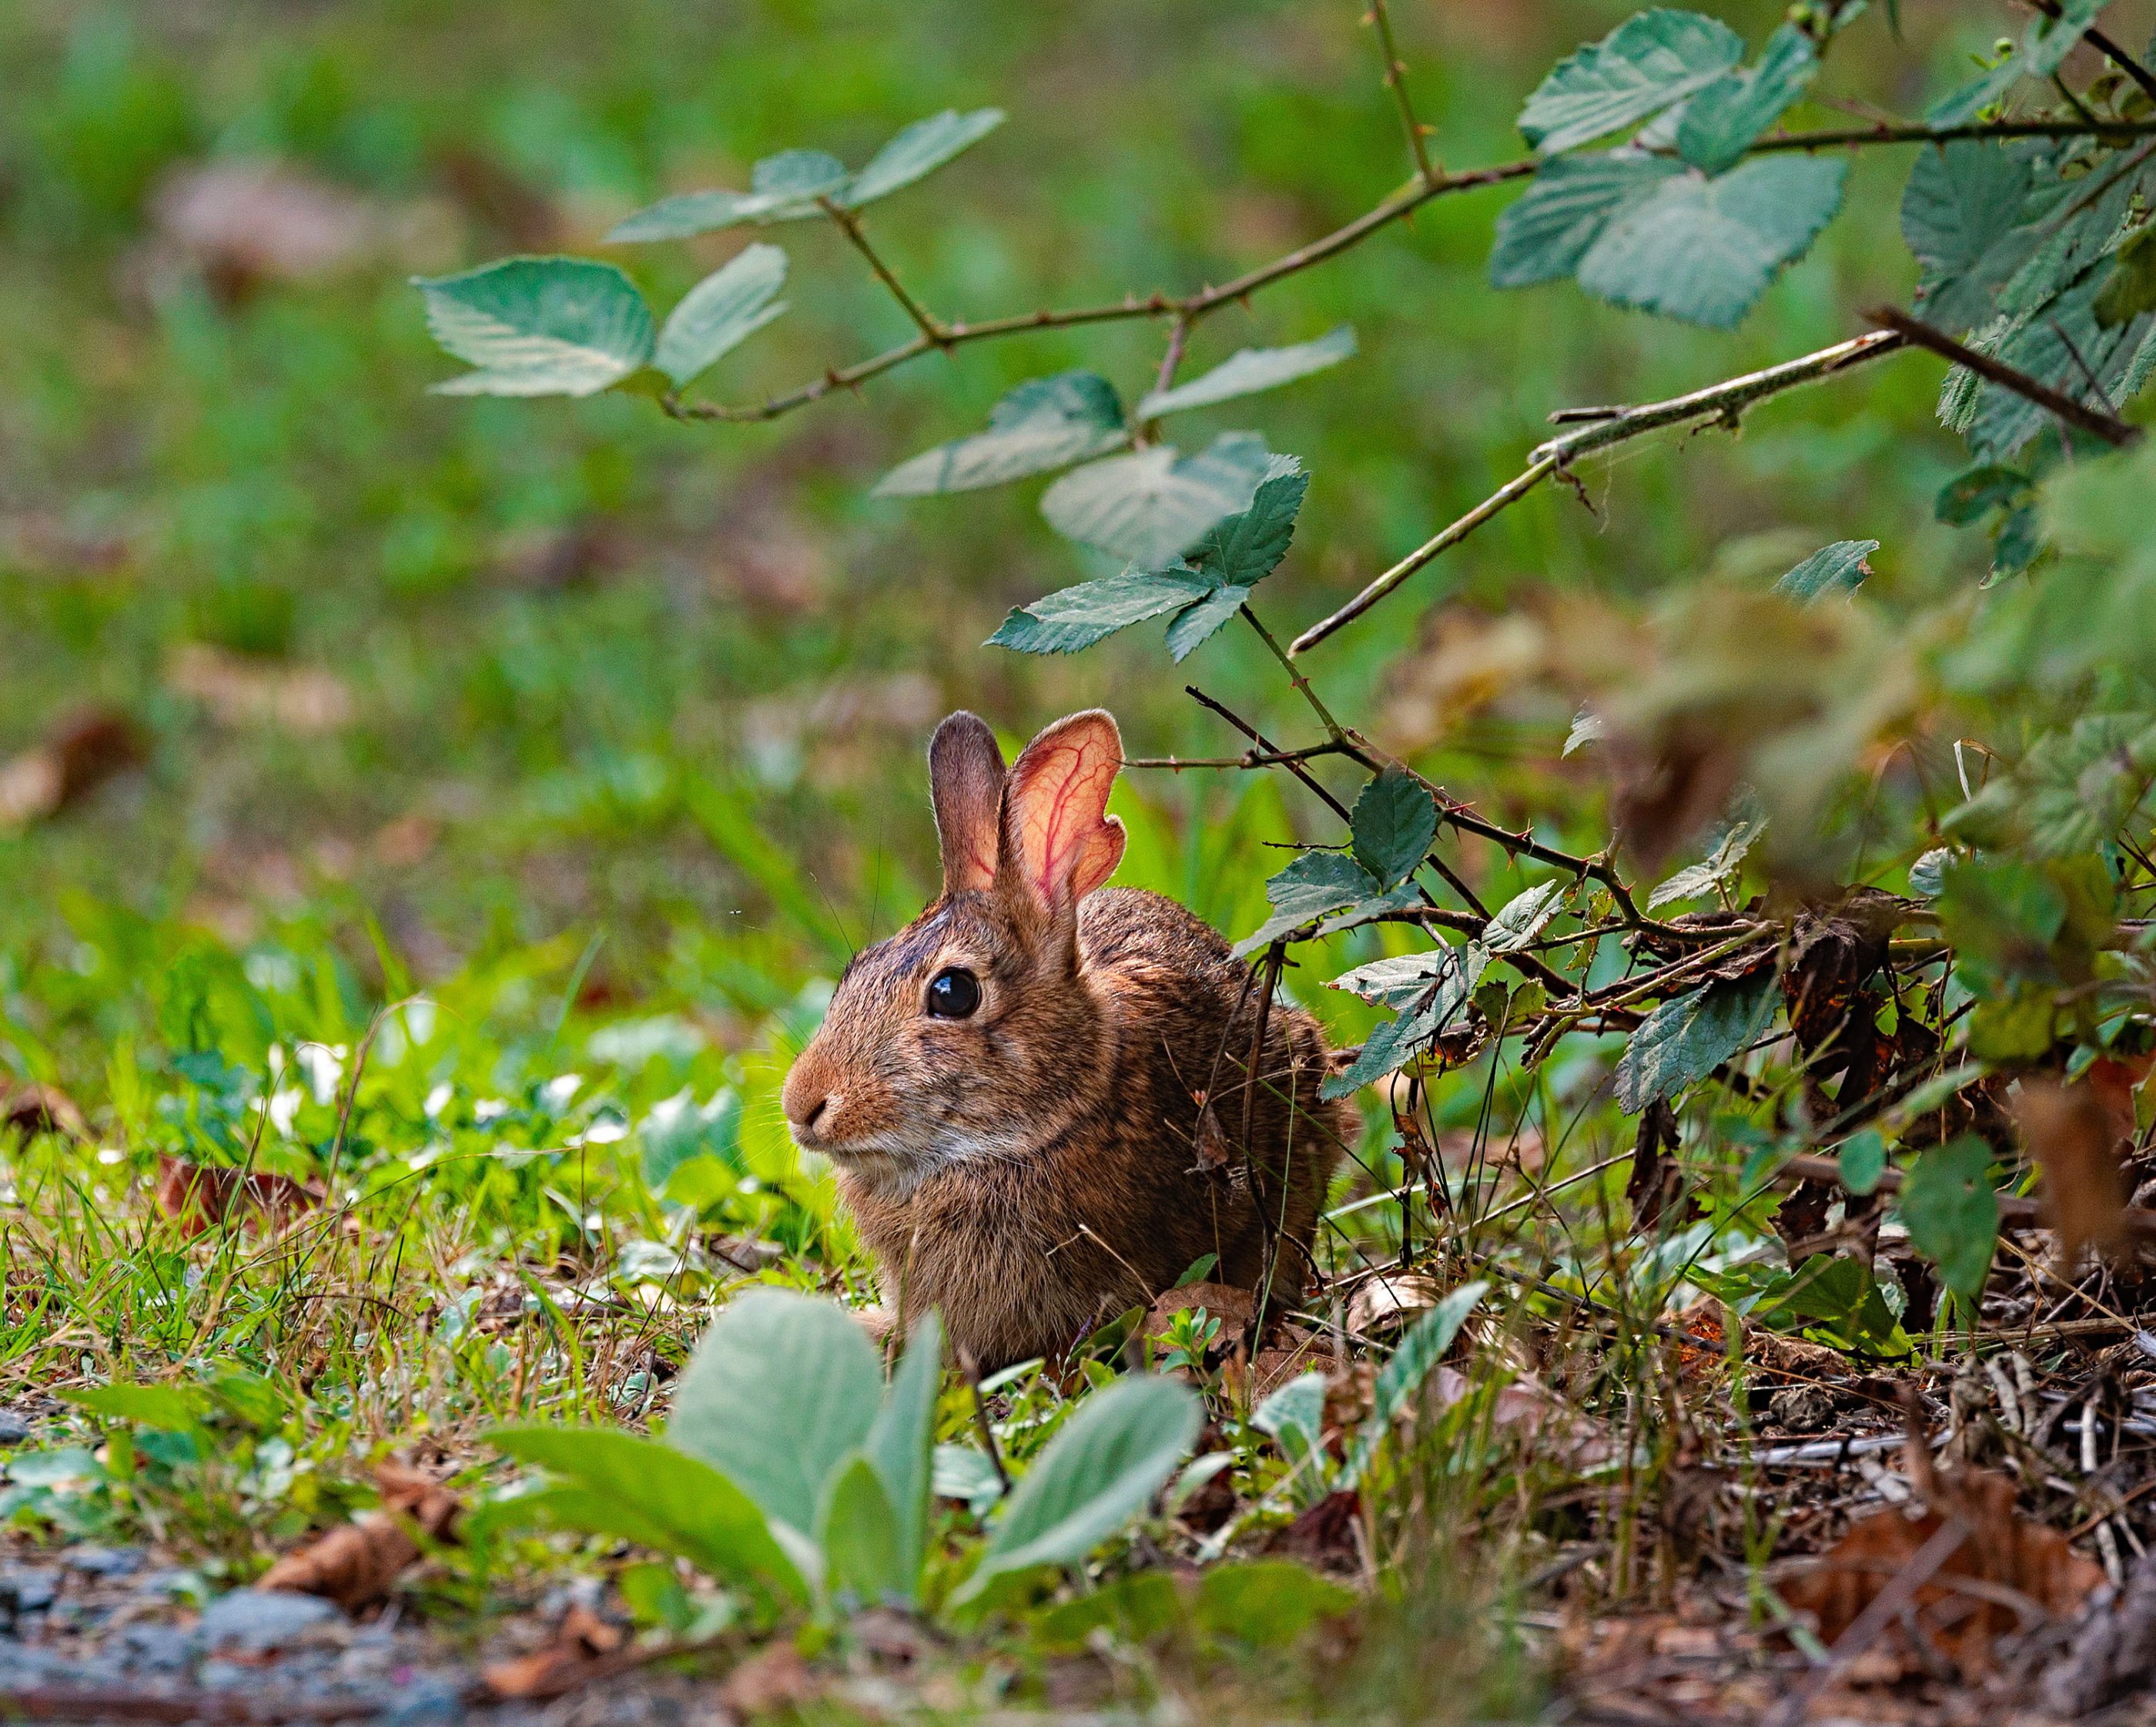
pixel 1233 1308
pixel 40 1109
pixel 239 691
pixel 1323 1536
pixel 2075 1138
pixel 358 1563
pixel 778 1679
pixel 1388 1303
pixel 78 756
pixel 200 1196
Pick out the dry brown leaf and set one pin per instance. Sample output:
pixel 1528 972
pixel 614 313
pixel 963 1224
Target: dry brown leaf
pixel 1469 660
pixel 1323 1536
pixel 1210 1141
pixel 2073 1136
pixel 302 699
pixel 40 1109
pixel 778 1679
pixel 199 1196
pixel 1388 1303
pixel 78 756
pixel 358 1563
pixel 1233 1308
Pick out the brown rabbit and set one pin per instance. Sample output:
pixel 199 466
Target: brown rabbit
pixel 1011 1086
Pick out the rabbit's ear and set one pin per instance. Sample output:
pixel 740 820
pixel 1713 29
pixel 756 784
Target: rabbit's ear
pixel 966 778
pixel 1059 842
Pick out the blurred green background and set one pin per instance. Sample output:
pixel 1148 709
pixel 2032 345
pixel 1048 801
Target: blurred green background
pixel 427 681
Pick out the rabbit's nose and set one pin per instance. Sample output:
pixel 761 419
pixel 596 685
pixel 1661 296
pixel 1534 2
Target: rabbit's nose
pixel 807 1123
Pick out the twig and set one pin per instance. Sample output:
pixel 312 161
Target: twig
pixel 2111 429
pixel 2107 48
pixel 1396 81
pixel 1885 132
pixel 1722 402
pixel 971 1370
pixel 1247 759
pixel 850 226
pixel 1288 760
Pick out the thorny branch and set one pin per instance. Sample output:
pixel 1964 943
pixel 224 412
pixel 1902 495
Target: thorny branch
pixel 2096 423
pixel 1396 81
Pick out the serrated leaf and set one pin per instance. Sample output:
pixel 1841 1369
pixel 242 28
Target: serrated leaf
pixel 1045 423
pixel 1722 121
pixel 1727 852
pixel 1248 547
pixel 1962 199
pixel 1952 1214
pixel 1153 506
pixel 1400 981
pixel 1431 1010
pixel 2063 347
pixel 1195 625
pixel 1704 250
pixel 1650 61
pixel 1250 370
pixel 1976 491
pixel 1544 233
pixel 721 312
pixel 1685 1040
pixel 539 326
pixel 1521 918
pixel 2043 49
pixel 1363 911
pixel 783 188
pixel 1074 618
pixel 918 151
pixel 1099 1471
pixel 781 1388
pixel 2130 289
pixel 1313 884
pixel 1394 820
pixel 1838 568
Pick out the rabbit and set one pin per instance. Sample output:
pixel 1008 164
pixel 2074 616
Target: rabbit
pixel 1013 1089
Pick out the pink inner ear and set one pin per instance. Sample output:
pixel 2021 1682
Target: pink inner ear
pixel 1059 799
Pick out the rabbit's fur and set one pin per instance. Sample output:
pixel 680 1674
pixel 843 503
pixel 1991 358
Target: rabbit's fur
pixel 1034 1168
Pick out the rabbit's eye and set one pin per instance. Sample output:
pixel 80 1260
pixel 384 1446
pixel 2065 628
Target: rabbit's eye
pixel 953 994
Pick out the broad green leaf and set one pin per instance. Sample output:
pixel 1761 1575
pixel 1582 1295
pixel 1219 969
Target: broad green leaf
pixel 1395 820
pixel 539 326
pixel 780 1390
pixel 1521 918
pixel 1963 201
pixel 1838 568
pixel 1313 884
pixel 1952 1214
pixel 1727 852
pixel 2062 346
pixel 1421 1348
pixel 1650 61
pixel 721 312
pixel 1685 1040
pixel 1045 423
pixel 1544 233
pixel 1268 1602
pixel 1704 250
pixel 1974 492
pixel 864 1546
pixel 1404 979
pixel 1863 1160
pixel 1722 121
pixel 2130 289
pixel 1294 1416
pixel 782 188
pixel 678 1131
pixel 650 1492
pixel 1074 618
pixel 1363 911
pixel 901 1444
pixel 171 1409
pixel 1450 982
pixel 1099 1471
pixel 918 152
pixel 1250 370
pixel 963 1472
pixel 1248 547
pixel 1137 1608
pixel 1153 506
pixel 1192 627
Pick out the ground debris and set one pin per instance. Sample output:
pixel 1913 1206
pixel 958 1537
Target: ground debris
pixel 358 1563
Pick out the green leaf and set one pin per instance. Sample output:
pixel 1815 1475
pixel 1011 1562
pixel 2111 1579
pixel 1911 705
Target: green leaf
pixel 2130 289
pixel 1153 506
pixel 1704 250
pixel 1249 546
pixel 1074 618
pixel 1248 370
pixel 1099 1471
pixel 539 326
pixel 678 1131
pixel 1962 199
pixel 1402 980
pixel 1729 851
pixel 1722 121
pixel 901 1444
pixel 1190 629
pixel 1421 1348
pixel 780 1389
pixel 1976 491
pixel 721 312
pixel 1313 884
pixel 1137 1608
pixel 864 1547
pixel 1863 1160
pixel 1045 423
pixel 1544 233
pixel 1685 1040
pixel 1952 1213
pixel 1521 919
pixel 170 1409
pixel 1429 989
pixel 1838 568
pixel 918 152
pixel 1293 1415
pixel 783 188
pixel 650 1492
pixel 1650 61
pixel 2044 47
pixel 1268 1602
pixel 1395 820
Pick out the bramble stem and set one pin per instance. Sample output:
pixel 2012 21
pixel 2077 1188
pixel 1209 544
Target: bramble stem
pixel 2109 427
pixel 1396 81
pixel 849 225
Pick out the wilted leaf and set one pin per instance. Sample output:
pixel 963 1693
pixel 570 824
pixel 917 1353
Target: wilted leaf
pixel 199 1196
pixel 1250 370
pixel 1544 233
pixel 40 1109
pixel 1721 122
pixel 1838 568
pixel 1151 506
pixel 539 326
pixel 1045 423
pixel 917 151
pixel 1436 1003
pixel 1952 1214
pixel 783 188
pixel 1650 61
pixel 1683 1041
pixel 2075 1140
pixel 1075 618
pixel 1704 250
pixel 721 312
pixel 1394 820
pixel 1385 1304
